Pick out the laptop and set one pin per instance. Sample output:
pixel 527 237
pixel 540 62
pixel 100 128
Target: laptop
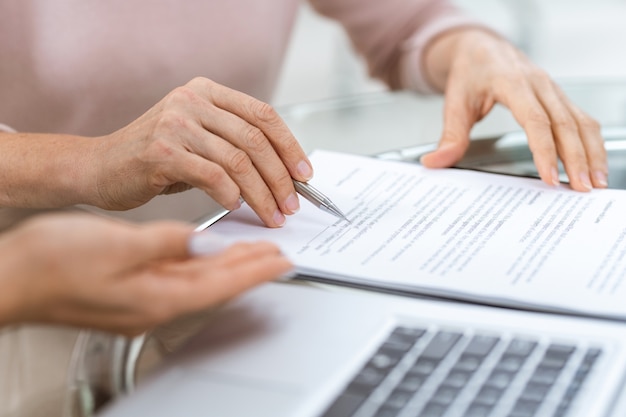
pixel 284 349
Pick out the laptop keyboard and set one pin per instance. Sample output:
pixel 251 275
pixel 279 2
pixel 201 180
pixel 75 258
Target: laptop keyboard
pixel 438 373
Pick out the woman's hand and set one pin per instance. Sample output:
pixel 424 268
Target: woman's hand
pixel 88 271
pixel 476 69
pixel 207 136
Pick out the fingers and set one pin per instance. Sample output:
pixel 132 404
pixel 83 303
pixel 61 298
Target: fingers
pixel 260 175
pixel 264 118
pixel 163 287
pixel 480 69
pixel 530 114
pixel 263 149
pixel 171 289
pixel 240 138
pixel 236 269
pixel 460 114
pixel 592 140
pixel 557 129
pixel 160 241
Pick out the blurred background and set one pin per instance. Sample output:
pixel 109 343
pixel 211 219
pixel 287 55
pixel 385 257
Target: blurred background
pixel 571 39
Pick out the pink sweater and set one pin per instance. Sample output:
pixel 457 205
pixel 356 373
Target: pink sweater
pixel 91 67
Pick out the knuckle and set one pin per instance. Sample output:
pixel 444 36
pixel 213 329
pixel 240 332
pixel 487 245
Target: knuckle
pixel 255 139
pixel 198 81
pixel 181 94
pixel 538 118
pixel 239 162
pixel 291 146
pixel 215 177
pixel 172 121
pixel 267 203
pixel 282 177
pixel 590 124
pixel 264 111
pixel 160 149
pixel 564 123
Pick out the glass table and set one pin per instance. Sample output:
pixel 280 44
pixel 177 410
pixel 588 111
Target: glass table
pixel 397 125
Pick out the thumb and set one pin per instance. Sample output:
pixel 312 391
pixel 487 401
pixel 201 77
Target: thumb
pixel 459 118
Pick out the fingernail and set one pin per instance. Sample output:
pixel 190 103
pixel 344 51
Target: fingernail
pixel 279 218
pixel 206 243
pixel 305 170
pixel 238 203
pixel 554 173
pixel 292 203
pixel 601 178
pixel 585 181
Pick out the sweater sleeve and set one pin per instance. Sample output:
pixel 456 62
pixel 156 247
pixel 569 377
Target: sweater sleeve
pixel 392 35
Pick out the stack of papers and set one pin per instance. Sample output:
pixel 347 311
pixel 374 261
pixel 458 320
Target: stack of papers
pixel 458 234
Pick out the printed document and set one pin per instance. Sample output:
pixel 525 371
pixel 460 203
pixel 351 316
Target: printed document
pixel 455 233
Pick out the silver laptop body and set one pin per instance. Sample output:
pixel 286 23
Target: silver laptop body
pixel 299 350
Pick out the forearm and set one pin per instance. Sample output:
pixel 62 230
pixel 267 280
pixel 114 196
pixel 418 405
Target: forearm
pixel 46 170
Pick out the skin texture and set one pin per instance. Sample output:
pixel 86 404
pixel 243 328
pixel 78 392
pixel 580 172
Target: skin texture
pixel 200 135
pixel 476 69
pixel 89 271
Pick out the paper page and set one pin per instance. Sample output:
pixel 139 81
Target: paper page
pixel 470 234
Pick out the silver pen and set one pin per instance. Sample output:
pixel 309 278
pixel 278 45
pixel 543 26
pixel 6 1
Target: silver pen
pixel 318 199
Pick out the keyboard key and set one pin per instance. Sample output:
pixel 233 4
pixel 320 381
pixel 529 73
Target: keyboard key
pixel 403 338
pixel 477 410
pixel 500 379
pixel 560 350
pixel 488 395
pixel 521 347
pixel 456 379
pixel 525 408
pixel 547 376
pixel 412 382
pixel 480 345
pixel 433 410
pixel 469 363
pixel 445 395
pixel 510 363
pixel 406 333
pixel 535 391
pixel 424 366
pixel 577 382
pixel 556 356
pixel 345 405
pixel 440 345
pixel 386 412
pixel 398 399
pixel 366 381
pixel 384 361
